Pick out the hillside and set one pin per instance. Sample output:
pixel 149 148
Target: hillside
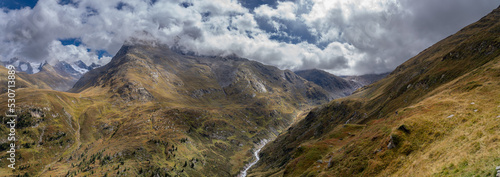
pixel 435 115
pixel 152 111
pixel 336 86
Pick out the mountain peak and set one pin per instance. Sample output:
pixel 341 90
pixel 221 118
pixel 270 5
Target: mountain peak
pixel 152 66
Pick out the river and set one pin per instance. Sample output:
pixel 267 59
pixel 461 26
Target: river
pixel 256 155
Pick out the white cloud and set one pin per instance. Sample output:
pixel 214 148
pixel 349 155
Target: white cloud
pixel 341 36
pixel 284 10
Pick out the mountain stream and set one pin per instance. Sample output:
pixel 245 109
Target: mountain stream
pixel 256 155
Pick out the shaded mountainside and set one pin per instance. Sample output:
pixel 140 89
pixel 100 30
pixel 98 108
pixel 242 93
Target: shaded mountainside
pixel 436 114
pixel 366 79
pixel 152 111
pixel 336 86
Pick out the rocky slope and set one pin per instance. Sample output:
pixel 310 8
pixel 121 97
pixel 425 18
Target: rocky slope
pixel 435 115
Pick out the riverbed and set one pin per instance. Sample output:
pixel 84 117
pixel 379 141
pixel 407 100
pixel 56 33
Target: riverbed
pixel 256 158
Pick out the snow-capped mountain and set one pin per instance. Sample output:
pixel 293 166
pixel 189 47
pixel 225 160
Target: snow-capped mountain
pixel 28 67
pixel 74 69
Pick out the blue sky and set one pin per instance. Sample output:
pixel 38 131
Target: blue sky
pixel 339 36
pixel 10 4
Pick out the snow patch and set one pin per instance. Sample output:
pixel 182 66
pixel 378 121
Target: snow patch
pixel 23 67
pixel 80 70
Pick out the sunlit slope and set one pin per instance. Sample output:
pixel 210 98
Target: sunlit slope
pixel 436 114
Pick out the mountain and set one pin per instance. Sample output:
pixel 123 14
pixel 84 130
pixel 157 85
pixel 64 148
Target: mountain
pixel 201 78
pixel 49 78
pixel 81 67
pixel 60 77
pixel 365 79
pixel 437 114
pixel 20 82
pixel 23 66
pixel 64 67
pixel 75 69
pixel 337 87
pixel 152 111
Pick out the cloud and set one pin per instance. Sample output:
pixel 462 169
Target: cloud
pixel 284 10
pixel 340 36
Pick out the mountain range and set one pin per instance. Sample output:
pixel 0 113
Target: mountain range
pixel 153 111
pixel 61 77
pixel 181 114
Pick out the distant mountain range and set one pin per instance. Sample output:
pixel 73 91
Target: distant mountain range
pixel 62 76
pixel 75 69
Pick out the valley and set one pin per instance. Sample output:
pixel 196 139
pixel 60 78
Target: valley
pixel 155 110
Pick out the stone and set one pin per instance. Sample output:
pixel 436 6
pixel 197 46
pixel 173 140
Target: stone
pixel 330 163
pixel 404 129
pixel 392 143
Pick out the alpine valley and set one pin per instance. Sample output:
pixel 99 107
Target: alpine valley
pixel 155 111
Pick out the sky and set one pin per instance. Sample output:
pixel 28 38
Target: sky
pixel 343 37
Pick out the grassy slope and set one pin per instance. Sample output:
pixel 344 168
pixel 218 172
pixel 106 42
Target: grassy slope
pixel 353 133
